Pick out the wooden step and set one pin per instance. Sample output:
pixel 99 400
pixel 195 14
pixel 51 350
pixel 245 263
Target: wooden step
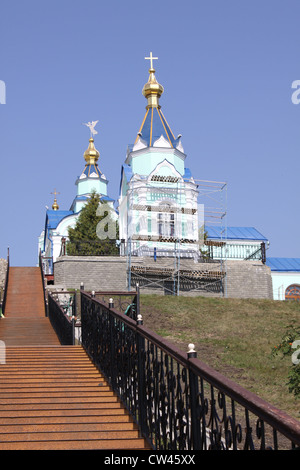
pixel 20 331
pixel 25 295
pixel 54 398
pixel 86 443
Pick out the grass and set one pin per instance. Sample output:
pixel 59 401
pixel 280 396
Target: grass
pixel 234 336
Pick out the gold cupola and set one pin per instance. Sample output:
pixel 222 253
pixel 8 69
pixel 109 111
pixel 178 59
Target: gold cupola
pixel 91 155
pixel 55 206
pixel 152 89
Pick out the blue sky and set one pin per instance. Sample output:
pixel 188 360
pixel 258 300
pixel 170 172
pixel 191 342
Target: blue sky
pixel 226 66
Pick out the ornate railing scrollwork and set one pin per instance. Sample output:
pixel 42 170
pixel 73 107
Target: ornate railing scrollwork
pixel 179 402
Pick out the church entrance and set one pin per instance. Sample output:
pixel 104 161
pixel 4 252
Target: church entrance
pixel 293 292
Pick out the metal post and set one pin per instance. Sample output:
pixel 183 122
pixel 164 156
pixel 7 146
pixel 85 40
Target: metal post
pixel 112 345
pixel 140 341
pixel 73 330
pixel 129 266
pixel 194 404
pixel 137 300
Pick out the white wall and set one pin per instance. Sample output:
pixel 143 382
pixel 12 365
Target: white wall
pixel 282 280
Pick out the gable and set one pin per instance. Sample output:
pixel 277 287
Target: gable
pixel 164 170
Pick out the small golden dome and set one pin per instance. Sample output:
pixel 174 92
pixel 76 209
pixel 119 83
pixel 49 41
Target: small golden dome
pixel 91 155
pixel 152 90
pixel 55 206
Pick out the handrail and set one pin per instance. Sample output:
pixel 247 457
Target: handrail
pixel 261 251
pixel 63 325
pixel 6 283
pixel 43 281
pixel 179 402
pixel 132 307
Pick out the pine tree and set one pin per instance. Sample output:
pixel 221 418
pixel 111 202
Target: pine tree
pixel 83 238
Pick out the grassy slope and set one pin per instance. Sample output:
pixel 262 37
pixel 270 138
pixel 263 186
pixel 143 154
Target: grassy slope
pixel 233 336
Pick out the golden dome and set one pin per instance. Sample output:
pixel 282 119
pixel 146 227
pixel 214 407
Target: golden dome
pixel 152 89
pixel 55 206
pixel 91 155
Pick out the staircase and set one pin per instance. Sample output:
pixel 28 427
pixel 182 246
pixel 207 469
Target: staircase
pixel 52 397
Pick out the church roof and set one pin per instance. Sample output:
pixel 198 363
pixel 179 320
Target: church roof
pixel 235 233
pixel 91 156
pixel 154 126
pixel 92 169
pixel 284 264
pixel 53 217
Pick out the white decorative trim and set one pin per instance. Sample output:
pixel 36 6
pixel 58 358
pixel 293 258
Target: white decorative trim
pixel 139 145
pixel 162 142
pixel 180 147
pixel 165 163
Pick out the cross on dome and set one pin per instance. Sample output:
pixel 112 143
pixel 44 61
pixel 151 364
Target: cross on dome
pixel 151 58
pixel 55 193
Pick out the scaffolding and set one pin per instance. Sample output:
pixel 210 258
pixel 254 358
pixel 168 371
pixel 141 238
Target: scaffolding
pixel 174 257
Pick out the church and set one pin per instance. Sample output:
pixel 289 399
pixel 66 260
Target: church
pixel 157 206
pixel 165 226
pixel 58 221
pixel 158 196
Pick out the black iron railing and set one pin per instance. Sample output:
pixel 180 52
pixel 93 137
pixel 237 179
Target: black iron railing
pixel 62 316
pixel 179 402
pixel 260 254
pixel 125 302
pixel 43 281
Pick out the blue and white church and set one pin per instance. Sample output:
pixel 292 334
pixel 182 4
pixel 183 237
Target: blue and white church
pixel 158 206
pixel 158 197
pixel 58 221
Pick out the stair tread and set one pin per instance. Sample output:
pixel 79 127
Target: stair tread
pixel 52 396
pixel 108 444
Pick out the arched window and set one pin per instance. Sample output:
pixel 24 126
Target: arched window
pixel 166 221
pixel 293 292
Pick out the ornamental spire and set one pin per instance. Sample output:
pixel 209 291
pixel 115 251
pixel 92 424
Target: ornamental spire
pixel 91 155
pixel 152 89
pixel 55 206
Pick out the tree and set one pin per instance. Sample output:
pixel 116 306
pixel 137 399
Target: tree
pixel 84 237
pixel 289 346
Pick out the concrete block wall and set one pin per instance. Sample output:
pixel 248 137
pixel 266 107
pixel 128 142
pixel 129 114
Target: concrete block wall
pixel 96 273
pixel 245 279
pixel 248 279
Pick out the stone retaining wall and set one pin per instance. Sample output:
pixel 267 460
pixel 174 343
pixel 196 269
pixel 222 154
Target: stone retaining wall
pixel 95 272
pixel 249 279
pixel 245 279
